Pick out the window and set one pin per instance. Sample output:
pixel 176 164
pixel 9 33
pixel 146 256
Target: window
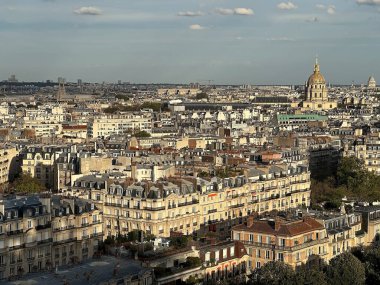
pixel 258 264
pixel 297 256
pixel 216 255
pixel 280 256
pixel 258 253
pixel 29 224
pixel 267 254
pixel 207 256
pixel 232 251
pixel 224 252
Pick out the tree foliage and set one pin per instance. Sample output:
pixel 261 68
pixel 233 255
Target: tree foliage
pixel 179 242
pixel 346 269
pixel 25 183
pixel 353 180
pixel 142 134
pixel 201 96
pixel 275 273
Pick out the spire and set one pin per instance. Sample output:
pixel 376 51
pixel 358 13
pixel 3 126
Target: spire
pixel 316 66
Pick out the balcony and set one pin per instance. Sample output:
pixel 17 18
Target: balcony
pixel 30 258
pixel 113 204
pixel 65 241
pixel 96 235
pixel 45 241
pixel 154 208
pixel 287 248
pixel 212 211
pixel 237 206
pixel 43 227
pixel 188 203
pixel 16 232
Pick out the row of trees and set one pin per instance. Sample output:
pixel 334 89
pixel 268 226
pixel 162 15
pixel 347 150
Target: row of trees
pixel 358 267
pixel 352 180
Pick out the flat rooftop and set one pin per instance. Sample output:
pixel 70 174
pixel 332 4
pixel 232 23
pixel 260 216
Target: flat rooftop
pixel 98 270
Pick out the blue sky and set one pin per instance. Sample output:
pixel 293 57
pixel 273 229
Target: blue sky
pixel 228 41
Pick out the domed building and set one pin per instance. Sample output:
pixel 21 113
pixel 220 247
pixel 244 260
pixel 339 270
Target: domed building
pixel 371 83
pixel 316 97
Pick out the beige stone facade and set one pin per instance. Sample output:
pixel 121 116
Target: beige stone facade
pixel 40 233
pixel 198 206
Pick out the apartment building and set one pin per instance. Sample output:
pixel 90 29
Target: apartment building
pixel 77 229
pixel 370 223
pixel 193 206
pixel 344 231
pixel 368 150
pixel 9 162
pixel 155 208
pixel 107 125
pixel 39 233
pixel 25 236
pixel 40 162
pixel 291 240
pixel 224 260
pixel 261 189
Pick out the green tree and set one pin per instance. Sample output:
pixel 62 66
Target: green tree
pixel 193 261
pixel 179 242
pixel 201 96
pixel 142 134
pixel 274 273
pixel 311 273
pixel 25 183
pixel 346 269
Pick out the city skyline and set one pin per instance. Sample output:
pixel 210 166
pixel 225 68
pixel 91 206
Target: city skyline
pixel 229 42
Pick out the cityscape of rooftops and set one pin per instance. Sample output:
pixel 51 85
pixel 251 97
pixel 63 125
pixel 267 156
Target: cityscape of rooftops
pixel 198 142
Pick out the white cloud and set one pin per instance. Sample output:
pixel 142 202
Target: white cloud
pixel 243 11
pixel 368 2
pixel 286 6
pixel 90 10
pixel 196 27
pixel 190 14
pixel 236 11
pixel 224 11
pixel 331 10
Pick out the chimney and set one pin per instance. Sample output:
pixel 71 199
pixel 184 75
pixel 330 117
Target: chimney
pixel 277 223
pixel 250 221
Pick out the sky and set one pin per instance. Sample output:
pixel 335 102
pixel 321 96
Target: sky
pixel 183 41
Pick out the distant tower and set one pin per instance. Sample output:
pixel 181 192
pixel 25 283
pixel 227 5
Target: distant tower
pixel 371 83
pixel 61 90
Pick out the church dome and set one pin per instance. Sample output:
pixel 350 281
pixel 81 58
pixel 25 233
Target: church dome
pixel 371 82
pixel 316 77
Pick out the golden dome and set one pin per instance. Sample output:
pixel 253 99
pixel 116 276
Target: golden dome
pixel 316 77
